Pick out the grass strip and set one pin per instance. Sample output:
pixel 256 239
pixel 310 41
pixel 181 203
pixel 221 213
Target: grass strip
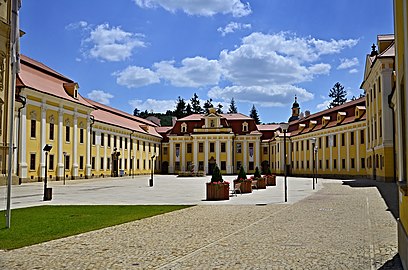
pixel 39 224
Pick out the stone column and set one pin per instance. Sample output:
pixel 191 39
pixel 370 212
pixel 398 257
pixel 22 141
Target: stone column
pixel 74 172
pixel 23 142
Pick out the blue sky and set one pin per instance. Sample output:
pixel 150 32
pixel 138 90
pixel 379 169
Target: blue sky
pixel 146 53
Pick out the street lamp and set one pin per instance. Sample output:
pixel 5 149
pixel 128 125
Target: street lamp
pixel 313 141
pixel 47 191
pixel 284 127
pixel 151 178
pixel 65 162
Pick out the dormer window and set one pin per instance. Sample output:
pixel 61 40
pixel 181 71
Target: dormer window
pixel 360 110
pixel 341 116
pixel 71 89
pixel 245 127
pixel 325 120
pixel 212 123
pixel 184 128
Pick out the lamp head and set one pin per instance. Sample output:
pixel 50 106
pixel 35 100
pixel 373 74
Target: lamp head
pixel 284 126
pixel 47 147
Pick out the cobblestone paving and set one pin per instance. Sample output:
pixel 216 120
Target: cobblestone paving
pixel 339 227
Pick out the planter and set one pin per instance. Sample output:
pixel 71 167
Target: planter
pixel 216 192
pixel 270 180
pixel 246 186
pixel 261 183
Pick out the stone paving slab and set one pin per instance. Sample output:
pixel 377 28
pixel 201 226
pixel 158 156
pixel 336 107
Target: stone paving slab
pixel 337 227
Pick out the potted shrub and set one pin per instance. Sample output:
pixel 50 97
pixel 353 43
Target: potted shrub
pixel 260 181
pixel 270 178
pixel 217 189
pixel 246 184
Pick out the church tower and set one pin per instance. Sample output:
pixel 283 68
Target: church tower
pixel 295 111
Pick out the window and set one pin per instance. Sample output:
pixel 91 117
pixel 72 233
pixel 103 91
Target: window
pixel 51 163
pixel 201 165
pixel 137 164
pixel 67 162
pixel 301 145
pixel 265 150
pixel 51 134
pixel 137 145
pixel 32 162
pixel 380 127
pixel 245 127
pixel 320 142
pixel 343 141
pixel 81 162
pixel 101 163
pixel 93 163
pixel 352 138
pixel 93 137
pixel 320 163
pixel 67 134
pixel 239 165
pixel 302 164
pixel 131 145
pixel 212 147
pixel 352 163
pixel 109 140
pixel 33 128
pixel 120 142
pixel 114 141
pixel 238 147
pixel 125 143
pixel 307 164
pixel 108 162
pixel 126 163
pixel 164 150
pixel 363 163
pixel 223 165
pixel 102 139
pixel 362 136
pixel 251 165
pixel 144 164
pixel 120 163
pixel 189 148
pixel 327 141
pixel 277 148
pixel 343 163
pixel 334 163
pixel 297 164
pixel 327 163
pixel 81 135
pixel 334 140
pixel 223 147
pixel 144 146
pixel 307 145
pixel 177 166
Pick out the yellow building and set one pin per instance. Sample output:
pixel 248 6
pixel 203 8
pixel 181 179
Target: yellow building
pixel 378 84
pixel 88 139
pixel 200 141
pixel 333 140
pixel 399 101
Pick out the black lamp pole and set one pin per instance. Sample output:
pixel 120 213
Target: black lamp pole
pixel 47 148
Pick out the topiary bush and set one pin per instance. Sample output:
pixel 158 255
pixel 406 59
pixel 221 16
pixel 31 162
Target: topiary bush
pixel 242 174
pixel 216 176
pixel 257 174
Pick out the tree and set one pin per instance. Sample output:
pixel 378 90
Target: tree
pixel 180 111
pixel 216 175
pixel 195 104
pixel 254 114
pixel 189 110
pixel 232 107
pixel 207 105
pixel 219 108
pixel 338 94
pixel 136 112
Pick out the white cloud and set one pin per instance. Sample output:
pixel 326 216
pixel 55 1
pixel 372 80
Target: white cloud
pixel 276 95
pixel 133 77
pixel 324 105
pixel 76 25
pixel 232 26
pixel 110 43
pixel 200 7
pixel 346 63
pixel 354 70
pixel 153 105
pixel 100 96
pixel 193 72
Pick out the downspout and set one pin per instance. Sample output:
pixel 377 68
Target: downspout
pixel 23 101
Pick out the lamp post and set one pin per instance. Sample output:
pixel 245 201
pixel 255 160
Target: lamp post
pixel 47 192
pixel 313 140
pixel 151 178
pixel 65 162
pixel 284 127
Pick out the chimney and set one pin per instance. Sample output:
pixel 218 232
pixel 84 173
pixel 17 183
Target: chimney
pixel 307 113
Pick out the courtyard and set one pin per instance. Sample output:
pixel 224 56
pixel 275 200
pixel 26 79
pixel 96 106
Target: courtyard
pixel 340 225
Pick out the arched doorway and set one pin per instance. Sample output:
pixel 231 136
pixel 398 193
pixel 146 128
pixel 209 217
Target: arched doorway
pixel 165 167
pixel 115 163
pixel 211 165
pixel 264 166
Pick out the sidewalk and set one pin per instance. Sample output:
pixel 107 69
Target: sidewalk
pixel 343 225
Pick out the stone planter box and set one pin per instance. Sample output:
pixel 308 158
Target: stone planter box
pixel 261 183
pixel 246 186
pixel 216 192
pixel 270 180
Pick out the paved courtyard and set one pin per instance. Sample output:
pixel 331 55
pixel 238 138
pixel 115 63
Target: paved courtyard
pixel 340 225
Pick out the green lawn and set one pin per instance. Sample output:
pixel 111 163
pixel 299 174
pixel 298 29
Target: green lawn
pixel 43 223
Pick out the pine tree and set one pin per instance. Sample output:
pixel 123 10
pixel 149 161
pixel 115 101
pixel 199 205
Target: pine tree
pixel 189 110
pixel 216 175
pixel 219 108
pixel 195 104
pixel 242 174
pixel 338 94
pixel 257 174
pixel 136 112
pixel 232 107
pixel 207 105
pixel 254 114
pixel 180 110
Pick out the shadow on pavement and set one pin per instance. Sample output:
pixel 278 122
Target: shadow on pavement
pixel 393 264
pixel 388 191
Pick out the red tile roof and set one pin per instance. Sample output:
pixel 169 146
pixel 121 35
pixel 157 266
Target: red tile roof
pixel 41 78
